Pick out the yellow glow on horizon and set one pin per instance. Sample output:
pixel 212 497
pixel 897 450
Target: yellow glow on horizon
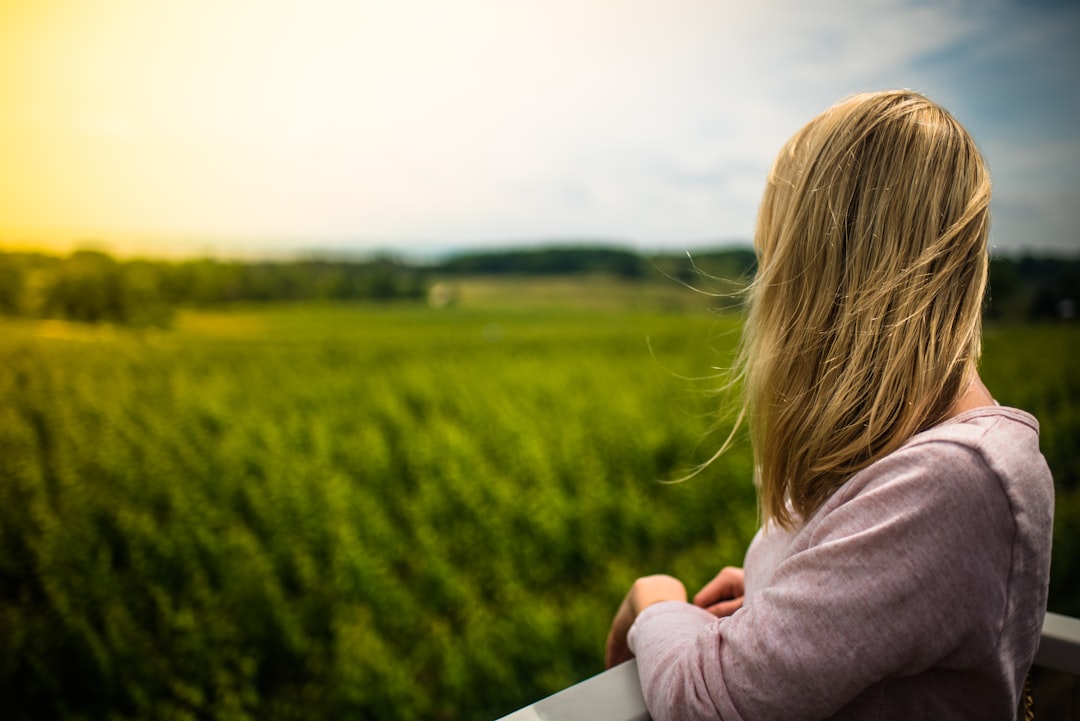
pixel 157 117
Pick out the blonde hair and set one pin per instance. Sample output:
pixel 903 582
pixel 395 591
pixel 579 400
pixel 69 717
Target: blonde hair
pixel 865 314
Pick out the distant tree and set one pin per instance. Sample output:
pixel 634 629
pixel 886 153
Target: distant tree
pixel 1003 287
pixel 92 287
pixel 85 288
pixel 1044 305
pixel 1052 285
pixel 12 285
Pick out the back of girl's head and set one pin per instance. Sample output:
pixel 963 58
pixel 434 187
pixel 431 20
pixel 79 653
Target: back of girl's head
pixel 865 314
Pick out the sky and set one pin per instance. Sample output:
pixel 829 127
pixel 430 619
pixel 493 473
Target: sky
pixel 233 127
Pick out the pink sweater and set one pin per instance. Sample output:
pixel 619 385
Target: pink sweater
pixel 917 591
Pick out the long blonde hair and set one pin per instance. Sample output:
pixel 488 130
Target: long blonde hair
pixel 865 314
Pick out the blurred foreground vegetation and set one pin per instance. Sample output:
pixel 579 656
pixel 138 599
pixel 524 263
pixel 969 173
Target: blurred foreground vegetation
pixel 384 511
pixel 343 512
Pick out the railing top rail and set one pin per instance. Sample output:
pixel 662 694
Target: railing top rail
pixel 613 695
pixel 1059 647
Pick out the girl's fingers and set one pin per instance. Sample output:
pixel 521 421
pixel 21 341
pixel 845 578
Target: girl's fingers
pixel 725 608
pixel 727 585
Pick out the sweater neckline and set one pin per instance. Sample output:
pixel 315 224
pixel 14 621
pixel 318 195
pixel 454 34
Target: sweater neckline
pixel 1009 412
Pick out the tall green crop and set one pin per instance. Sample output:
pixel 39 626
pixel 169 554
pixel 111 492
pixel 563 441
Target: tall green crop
pixel 347 513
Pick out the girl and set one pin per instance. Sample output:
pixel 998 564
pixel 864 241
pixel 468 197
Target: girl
pixel 902 566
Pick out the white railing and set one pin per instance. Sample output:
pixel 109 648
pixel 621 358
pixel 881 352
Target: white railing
pixel 615 694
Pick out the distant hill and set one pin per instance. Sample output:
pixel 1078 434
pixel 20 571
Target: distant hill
pixel 554 260
pixel 732 264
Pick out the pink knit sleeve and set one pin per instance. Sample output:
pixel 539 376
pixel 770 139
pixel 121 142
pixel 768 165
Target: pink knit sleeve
pixel 665 636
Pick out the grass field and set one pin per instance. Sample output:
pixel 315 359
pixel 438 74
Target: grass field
pixel 391 512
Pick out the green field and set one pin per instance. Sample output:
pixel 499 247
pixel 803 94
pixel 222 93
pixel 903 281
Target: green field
pixel 381 512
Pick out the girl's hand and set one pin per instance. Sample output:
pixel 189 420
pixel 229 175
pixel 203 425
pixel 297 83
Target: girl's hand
pixel 645 592
pixel 723 595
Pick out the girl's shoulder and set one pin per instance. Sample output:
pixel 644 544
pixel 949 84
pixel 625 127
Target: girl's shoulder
pixel 985 455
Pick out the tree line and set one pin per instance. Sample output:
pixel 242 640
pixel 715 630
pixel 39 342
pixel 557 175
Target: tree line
pixel 92 286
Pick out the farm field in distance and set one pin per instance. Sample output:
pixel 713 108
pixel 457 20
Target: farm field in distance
pixel 385 511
